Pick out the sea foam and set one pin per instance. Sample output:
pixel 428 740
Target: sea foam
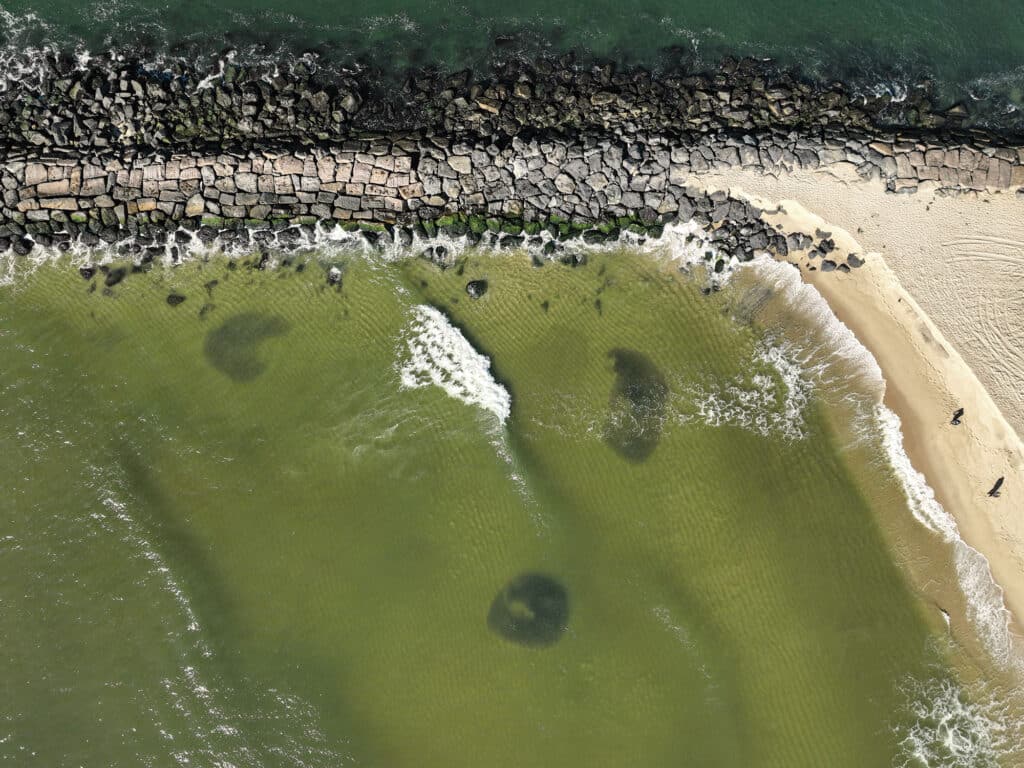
pixel 770 402
pixel 837 343
pixel 439 355
pixel 985 607
pixel 953 729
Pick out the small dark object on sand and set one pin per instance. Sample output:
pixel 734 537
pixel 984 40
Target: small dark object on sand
pixel 994 493
pixel 956 417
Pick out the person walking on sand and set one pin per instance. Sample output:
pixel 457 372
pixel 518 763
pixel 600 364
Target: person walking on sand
pixel 994 493
pixel 956 417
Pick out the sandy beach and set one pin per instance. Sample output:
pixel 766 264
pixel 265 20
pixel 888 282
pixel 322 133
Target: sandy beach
pixel 937 303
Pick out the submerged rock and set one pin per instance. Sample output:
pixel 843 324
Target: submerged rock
pixel 636 411
pixel 531 610
pixel 115 276
pixel 233 347
pixel 174 299
pixel 476 288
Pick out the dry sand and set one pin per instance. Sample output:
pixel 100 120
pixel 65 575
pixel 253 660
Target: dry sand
pixel 940 305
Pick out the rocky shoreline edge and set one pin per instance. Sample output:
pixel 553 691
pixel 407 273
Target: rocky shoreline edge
pixel 155 159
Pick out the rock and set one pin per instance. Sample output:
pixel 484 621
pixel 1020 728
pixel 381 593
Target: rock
pixel 174 299
pixel 476 288
pixel 114 276
pixel 828 265
pixel 87 272
pixel 195 206
pixel 334 276
pixel 460 164
pixel 854 260
pixel 565 184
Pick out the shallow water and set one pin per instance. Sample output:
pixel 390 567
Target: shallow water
pixel 592 517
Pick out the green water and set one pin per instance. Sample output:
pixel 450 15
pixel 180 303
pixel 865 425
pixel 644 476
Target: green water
pixel 231 536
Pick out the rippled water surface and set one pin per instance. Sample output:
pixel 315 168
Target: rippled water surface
pixel 596 516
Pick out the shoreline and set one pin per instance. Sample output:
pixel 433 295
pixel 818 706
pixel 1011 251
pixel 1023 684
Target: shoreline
pixel 906 232
pixel 925 376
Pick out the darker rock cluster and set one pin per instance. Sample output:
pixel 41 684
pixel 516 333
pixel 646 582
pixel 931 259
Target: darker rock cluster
pixel 111 104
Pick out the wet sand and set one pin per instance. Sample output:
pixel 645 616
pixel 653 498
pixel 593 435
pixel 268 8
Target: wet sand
pixel 938 303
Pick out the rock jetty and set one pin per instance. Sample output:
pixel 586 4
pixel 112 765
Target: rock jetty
pixel 112 152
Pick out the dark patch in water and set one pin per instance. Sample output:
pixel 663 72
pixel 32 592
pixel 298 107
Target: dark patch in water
pixel 174 299
pixel 114 276
pixel 476 288
pixel 233 347
pixel 531 610
pixel 636 409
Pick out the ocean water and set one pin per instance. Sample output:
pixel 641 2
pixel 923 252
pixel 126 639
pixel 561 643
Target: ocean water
pixel 601 515
pixel 971 54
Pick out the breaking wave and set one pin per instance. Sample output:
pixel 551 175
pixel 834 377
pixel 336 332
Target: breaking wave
pixel 770 402
pixel 439 355
pixel 985 607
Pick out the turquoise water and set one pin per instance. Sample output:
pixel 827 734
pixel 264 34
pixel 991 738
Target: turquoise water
pixel 594 517
pixel 972 52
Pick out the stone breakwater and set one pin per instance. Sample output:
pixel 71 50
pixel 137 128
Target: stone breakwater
pixel 109 103
pixel 111 155
pixel 420 181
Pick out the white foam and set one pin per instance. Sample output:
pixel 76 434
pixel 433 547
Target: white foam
pixel 951 729
pixel 838 349
pixel 985 607
pixel 439 355
pixel 837 342
pixel 686 244
pixel 769 404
